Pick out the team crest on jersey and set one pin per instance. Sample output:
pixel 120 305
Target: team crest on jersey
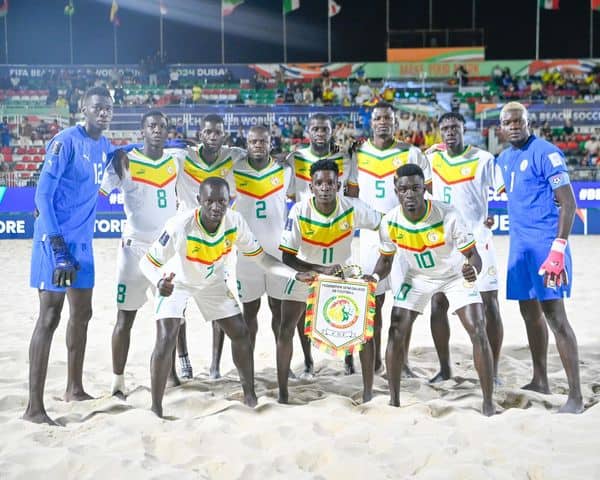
pixel 433 237
pixel 344 226
pixel 492 271
pixel 397 162
pixel 523 165
pixel 555 159
pixel 275 181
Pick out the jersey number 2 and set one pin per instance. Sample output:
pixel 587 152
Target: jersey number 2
pixel 261 207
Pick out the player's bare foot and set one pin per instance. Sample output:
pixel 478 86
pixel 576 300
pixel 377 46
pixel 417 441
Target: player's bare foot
pixel 349 365
pixel 250 400
pixel 488 409
pixel 367 396
pixel 308 373
pixel 440 377
pixel 292 375
pixel 536 386
pixel 158 411
pixel 283 398
pixel 214 373
pixel 394 403
pixel 76 396
pixel 573 405
pixel 120 395
pixel 408 373
pixel 39 417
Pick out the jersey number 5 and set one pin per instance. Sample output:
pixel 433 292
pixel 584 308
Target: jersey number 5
pixel 380 187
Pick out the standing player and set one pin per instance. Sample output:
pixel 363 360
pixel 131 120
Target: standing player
pixel 148 186
pixel 377 160
pixel 62 257
pixel 462 177
pixel 434 243
pixel 320 131
pixel 192 248
pixel 209 159
pixel 318 238
pixel 541 208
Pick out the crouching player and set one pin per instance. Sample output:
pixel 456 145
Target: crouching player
pixel 192 249
pixel 433 240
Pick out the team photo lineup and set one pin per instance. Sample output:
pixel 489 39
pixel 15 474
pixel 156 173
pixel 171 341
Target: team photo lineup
pixel 300 239
pixel 424 235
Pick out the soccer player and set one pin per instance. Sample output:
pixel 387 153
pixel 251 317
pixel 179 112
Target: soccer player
pixel 462 176
pixel 262 186
pixel 318 238
pixel 62 258
pixel 192 248
pixel 148 186
pixel 434 242
pixel 377 160
pixel 320 131
pixel 541 208
pixel 211 158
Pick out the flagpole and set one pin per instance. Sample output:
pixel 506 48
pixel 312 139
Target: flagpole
pixel 387 24
pixel 591 33
pixel 162 53
pixel 5 40
pixel 284 38
pixel 222 35
pixel 115 48
pixel 430 14
pixel 328 33
pixel 537 30
pixel 473 17
pixel 71 37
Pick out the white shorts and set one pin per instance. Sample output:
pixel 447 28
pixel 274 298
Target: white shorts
pixel 369 254
pixel 253 282
pixel 488 278
pixel 295 291
pixel 215 302
pixel 416 291
pixel 132 285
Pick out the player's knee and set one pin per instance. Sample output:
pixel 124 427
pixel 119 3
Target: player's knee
pixel 439 305
pixel 286 331
pixel 558 323
pixel 50 318
pixel 396 333
pixel 240 333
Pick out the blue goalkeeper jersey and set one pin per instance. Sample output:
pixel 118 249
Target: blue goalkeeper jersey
pixel 67 191
pixel 531 174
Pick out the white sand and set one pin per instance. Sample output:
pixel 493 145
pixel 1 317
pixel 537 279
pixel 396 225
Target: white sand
pixel 327 434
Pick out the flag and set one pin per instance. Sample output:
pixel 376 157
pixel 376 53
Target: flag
pixel 69 9
pixel 290 5
pixel 595 5
pixel 113 13
pixel 3 8
pixel 162 9
pixel 334 8
pixel 228 6
pixel 549 4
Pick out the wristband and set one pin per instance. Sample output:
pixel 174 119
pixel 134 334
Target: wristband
pixel 559 245
pixel 376 277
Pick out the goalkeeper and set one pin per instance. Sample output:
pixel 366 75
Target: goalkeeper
pixel 62 260
pixel 541 208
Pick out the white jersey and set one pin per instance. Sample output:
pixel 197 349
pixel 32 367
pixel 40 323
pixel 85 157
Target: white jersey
pixel 261 197
pixel 464 182
pixel 195 255
pixel 376 169
pixel 432 245
pixel 303 159
pixel 148 188
pixel 326 239
pixel 194 170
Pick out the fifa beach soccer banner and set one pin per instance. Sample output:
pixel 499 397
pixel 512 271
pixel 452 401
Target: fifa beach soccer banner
pixel 582 114
pixel 17 207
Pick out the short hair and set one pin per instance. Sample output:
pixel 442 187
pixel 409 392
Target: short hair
pixel 451 116
pixel 384 105
pixel 320 116
pixel 324 164
pixel 212 118
pixel 409 170
pixel 152 113
pixel 99 91
pixel 514 106
pixel 259 129
pixel 214 182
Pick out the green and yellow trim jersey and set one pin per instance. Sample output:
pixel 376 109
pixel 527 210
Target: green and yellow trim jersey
pixel 464 181
pixel 194 170
pixel 376 169
pixel 195 255
pixel 303 158
pixel 432 245
pixel 148 188
pixel 261 197
pixel 326 239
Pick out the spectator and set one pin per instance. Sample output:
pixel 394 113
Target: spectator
pixel 462 76
pixel 240 139
pixel 497 76
pixel 196 93
pixel 568 129
pixel 298 130
pixel 364 93
pixel 174 78
pixel 119 95
pixel 307 96
pixel 53 128
pixel 298 97
pixel 180 129
pixel 592 150
pixel 26 129
pixel 5 132
pixel 42 130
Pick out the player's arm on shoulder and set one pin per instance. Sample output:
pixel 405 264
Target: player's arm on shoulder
pixel 160 251
pixel 463 238
pixel 366 217
pixel 110 180
pixel 387 251
pixel 417 157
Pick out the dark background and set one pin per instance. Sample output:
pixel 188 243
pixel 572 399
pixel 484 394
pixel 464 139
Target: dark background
pixel 38 30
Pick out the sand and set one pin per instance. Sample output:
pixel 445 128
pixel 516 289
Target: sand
pixel 325 434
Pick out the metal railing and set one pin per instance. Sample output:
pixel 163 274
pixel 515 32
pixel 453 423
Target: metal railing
pixel 447 37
